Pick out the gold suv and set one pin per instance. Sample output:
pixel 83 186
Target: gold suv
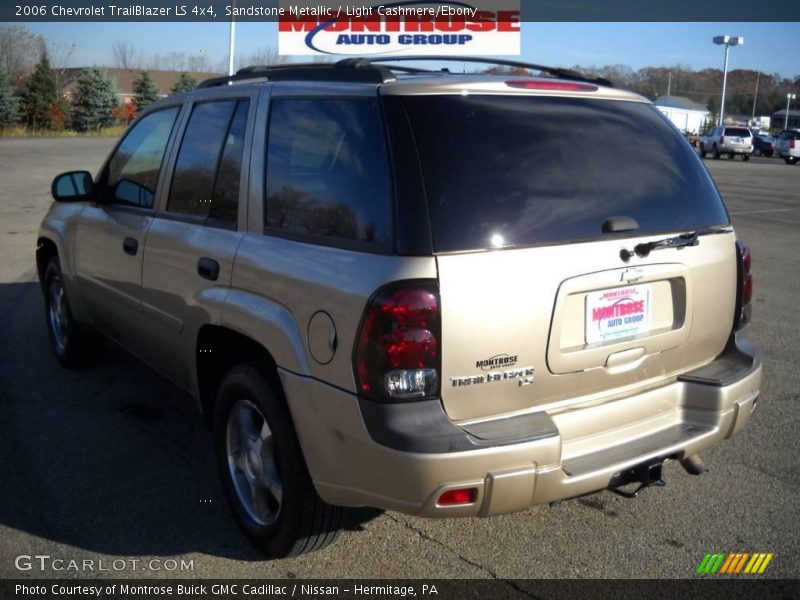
pixel 411 289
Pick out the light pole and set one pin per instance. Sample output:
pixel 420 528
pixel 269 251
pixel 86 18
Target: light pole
pixel 789 98
pixel 232 42
pixel 727 41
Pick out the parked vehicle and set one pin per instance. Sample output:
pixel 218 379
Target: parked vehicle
pixel 412 290
pixel 763 145
pixel 787 145
pixel 728 140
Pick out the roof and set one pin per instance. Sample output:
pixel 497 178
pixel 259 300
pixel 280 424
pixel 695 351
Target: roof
pixel 680 102
pixel 782 113
pixel 124 78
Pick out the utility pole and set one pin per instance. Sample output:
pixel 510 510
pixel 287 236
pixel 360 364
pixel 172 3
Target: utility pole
pixel 669 82
pixel 755 98
pixel 232 42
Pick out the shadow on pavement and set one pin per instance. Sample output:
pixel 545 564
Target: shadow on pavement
pixel 113 459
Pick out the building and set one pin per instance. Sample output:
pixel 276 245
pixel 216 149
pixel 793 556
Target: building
pixel 124 79
pixel 779 119
pixel 687 115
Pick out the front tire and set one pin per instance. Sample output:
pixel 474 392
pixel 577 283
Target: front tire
pixel 716 153
pixel 745 157
pixel 71 344
pixel 262 468
pixel 702 150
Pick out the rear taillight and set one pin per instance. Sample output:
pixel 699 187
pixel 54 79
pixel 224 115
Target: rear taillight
pixel 745 292
pixel 791 143
pixel 398 354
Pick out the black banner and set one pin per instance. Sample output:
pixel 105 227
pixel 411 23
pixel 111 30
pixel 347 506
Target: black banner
pixel 271 10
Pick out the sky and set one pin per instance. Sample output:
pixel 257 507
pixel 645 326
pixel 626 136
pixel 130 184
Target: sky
pixel 557 44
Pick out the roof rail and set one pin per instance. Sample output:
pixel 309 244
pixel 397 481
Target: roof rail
pixel 365 70
pixel 355 70
pixel 554 71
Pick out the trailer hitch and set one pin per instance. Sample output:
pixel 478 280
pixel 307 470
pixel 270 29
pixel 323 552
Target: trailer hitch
pixel 646 474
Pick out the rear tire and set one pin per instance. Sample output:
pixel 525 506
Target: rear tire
pixel 745 157
pixel 716 153
pixel 731 156
pixel 702 150
pixel 262 469
pixel 790 160
pixel 72 344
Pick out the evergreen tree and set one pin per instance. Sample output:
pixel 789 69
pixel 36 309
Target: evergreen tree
pixel 94 101
pixel 144 90
pixel 185 83
pixel 9 106
pixel 41 102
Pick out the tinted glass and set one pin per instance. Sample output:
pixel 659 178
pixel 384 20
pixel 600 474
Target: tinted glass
pixel 525 171
pixel 214 135
pixel 327 170
pixel 738 131
pixel 225 205
pixel 133 170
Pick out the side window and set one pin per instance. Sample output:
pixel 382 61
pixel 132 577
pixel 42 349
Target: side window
pixel 207 172
pixel 327 170
pixel 134 168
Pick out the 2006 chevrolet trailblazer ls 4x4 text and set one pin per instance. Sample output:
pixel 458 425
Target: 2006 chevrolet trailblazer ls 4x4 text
pixel 411 289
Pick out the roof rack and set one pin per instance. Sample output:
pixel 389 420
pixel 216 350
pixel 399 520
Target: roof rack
pixel 365 70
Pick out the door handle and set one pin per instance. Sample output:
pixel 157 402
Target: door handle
pixel 130 246
pixel 208 268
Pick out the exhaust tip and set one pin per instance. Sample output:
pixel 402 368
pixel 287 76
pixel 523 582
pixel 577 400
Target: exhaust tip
pixel 693 465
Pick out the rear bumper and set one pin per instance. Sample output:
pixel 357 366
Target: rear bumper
pixel 730 149
pixel 360 454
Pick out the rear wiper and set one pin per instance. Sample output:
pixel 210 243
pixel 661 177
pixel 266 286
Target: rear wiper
pixel 644 249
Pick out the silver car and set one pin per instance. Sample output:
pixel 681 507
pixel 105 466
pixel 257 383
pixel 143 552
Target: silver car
pixel 727 140
pixel 410 290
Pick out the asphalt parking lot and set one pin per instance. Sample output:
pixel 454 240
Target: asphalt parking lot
pixel 114 462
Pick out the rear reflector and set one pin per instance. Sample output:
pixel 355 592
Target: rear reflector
pixel 562 86
pixel 462 496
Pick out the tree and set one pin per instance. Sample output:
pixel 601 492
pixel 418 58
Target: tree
pixel 94 102
pixel 185 83
pixel 124 55
pixel 41 101
pixel 144 90
pixel 9 106
pixel 19 50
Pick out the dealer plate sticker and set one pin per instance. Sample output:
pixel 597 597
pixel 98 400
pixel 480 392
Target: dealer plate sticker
pixel 618 313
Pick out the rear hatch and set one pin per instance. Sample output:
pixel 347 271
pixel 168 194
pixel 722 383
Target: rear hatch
pixel 533 202
pixel 737 137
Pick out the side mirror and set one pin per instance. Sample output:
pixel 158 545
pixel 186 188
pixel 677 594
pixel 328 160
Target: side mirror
pixel 73 186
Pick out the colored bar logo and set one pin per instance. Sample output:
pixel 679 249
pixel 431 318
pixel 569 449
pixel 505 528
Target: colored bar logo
pixel 734 563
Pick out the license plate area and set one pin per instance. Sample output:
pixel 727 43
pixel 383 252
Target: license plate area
pixel 618 313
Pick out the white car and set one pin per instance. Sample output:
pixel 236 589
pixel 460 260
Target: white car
pixel 787 145
pixel 727 140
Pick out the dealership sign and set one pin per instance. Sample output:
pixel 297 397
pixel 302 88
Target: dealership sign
pixel 410 27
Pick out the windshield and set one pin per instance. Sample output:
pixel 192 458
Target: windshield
pixel 517 171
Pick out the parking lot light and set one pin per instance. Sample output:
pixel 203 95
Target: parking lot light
pixel 789 98
pixel 727 41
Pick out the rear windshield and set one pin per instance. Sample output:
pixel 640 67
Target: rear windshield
pixel 518 171
pixel 738 131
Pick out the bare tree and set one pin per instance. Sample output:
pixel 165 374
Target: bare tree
pixel 124 55
pixel 198 63
pixel 175 61
pixel 154 62
pixel 263 56
pixel 19 50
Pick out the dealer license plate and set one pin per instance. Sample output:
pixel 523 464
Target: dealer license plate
pixel 617 313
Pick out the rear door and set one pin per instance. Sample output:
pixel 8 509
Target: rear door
pixel 532 202
pixel 188 259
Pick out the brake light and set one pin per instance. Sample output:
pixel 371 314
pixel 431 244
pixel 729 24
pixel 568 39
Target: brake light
pixel 562 86
pixel 745 293
pixel 791 143
pixel 398 352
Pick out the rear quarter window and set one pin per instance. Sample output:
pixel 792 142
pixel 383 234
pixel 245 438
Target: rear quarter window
pixel 519 171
